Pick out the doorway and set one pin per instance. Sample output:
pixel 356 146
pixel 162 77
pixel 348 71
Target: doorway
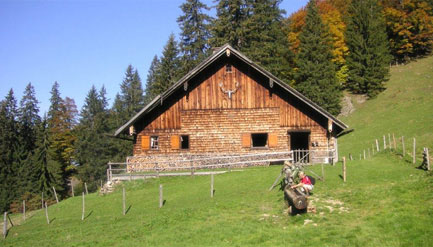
pixel 299 144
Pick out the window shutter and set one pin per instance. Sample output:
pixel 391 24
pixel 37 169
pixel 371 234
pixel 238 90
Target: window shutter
pixel 246 140
pixel 273 140
pixel 145 142
pixel 175 142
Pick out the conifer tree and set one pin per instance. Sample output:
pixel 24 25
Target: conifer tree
pixel 194 26
pixel 28 118
pixel 8 146
pixel 368 59
pixel 41 170
pixel 169 67
pixel 151 78
pixel 316 74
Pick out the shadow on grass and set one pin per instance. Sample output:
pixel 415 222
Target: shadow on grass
pixel 127 210
pixel 90 213
pixel 52 220
pixel 164 202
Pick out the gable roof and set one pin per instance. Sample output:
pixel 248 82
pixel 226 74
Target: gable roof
pixel 200 67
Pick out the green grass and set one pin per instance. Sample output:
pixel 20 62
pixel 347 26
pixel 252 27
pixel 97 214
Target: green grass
pixel 405 108
pixel 388 202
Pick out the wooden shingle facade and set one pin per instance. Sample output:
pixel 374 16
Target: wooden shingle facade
pixel 229 105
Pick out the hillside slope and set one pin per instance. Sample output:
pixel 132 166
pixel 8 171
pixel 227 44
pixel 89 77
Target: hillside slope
pixel 405 108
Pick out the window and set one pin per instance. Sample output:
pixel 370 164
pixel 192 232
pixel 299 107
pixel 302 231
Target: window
pixel 154 144
pixel 259 140
pixel 228 68
pixel 184 142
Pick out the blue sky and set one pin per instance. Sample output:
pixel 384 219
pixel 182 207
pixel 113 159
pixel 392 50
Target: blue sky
pixel 79 43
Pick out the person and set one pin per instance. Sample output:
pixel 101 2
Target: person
pixel 305 183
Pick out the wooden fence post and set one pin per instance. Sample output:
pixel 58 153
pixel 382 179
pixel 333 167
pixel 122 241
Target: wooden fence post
pixel 402 143
pixel 123 200
pixel 211 185
pixel 393 139
pixel 82 213
pixel 360 156
pixel 323 172
pixel 428 160
pixel 46 213
pixel 350 156
pixel 389 141
pixel 364 153
pixel 24 210
pixel 369 156
pixel 55 194
pixel 372 148
pixel 42 200
pixel 72 188
pixel 377 145
pixel 344 169
pixel 5 224
pixel 414 151
pixel 85 187
pixel 160 196
pixel 384 142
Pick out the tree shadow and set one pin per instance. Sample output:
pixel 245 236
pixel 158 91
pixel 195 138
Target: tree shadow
pixel 88 215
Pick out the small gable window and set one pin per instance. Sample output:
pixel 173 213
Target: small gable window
pixel 228 68
pixel 154 142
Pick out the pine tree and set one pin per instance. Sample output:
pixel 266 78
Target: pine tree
pixel 316 74
pixel 8 146
pixel 194 25
pixel 228 27
pixel 169 67
pixel 41 170
pixel 368 59
pixel 29 118
pixel 151 78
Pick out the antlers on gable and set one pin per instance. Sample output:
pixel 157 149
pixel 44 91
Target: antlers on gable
pixel 229 92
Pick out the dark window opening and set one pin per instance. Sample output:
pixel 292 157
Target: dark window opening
pixel 184 142
pixel 154 144
pixel 259 140
pixel 228 68
pixel 299 143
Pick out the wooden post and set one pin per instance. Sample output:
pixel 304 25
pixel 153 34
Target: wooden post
pixel 108 175
pixel 377 145
pixel 5 224
pixel 372 148
pixel 82 213
pixel 160 196
pixel 428 160
pixel 360 156
pixel 344 169
pixel 414 152
pixel 369 153
pixel 192 169
pixel 72 188
pixel 402 143
pixel 85 187
pixel 55 194
pixel 211 185
pixel 364 153
pixel 46 213
pixel 393 139
pixel 24 210
pixel 389 141
pixel 123 200
pixel 384 142
pixel 323 172
pixel 350 156
pixel 42 200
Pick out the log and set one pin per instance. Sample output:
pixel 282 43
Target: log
pixel 300 202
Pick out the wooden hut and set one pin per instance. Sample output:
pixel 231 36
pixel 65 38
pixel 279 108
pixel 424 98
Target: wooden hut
pixel 228 105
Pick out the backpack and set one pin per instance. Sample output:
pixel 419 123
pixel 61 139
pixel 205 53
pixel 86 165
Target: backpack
pixel 313 180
